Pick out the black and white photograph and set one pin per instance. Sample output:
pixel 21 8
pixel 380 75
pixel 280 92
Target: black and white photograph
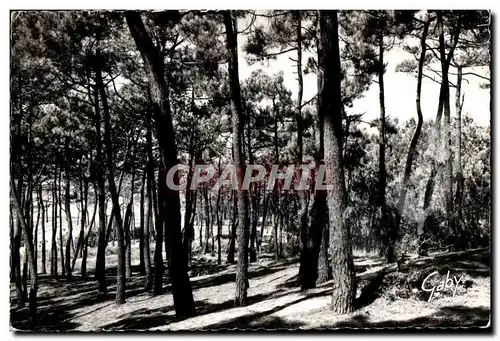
pixel 249 170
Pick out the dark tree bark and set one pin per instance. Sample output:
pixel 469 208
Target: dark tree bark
pixel 382 175
pixel 443 108
pixel 159 227
pixel 413 144
pixel 232 232
pixel 60 201
pixel 344 287
pixel 100 266
pixel 142 268
pixel 238 159
pixel 120 271
pixel 264 220
pixel 44 255
pixel 149 223
pixel 128 224
pixel 459 102
pixel 28 234
pixel 85 245
pixel 314 253
pixel 67 203
pixel 305 248
pixel 218 215
pixel 53 248
pixel 176 254
pixel 16 260
pixel 208 219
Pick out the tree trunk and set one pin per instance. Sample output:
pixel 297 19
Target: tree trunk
pixel 443 107
pixel 128 224
pixel 206 198
pixel 86 241
pixel 120 271
pixel 413 144
pixel 314 253
pixel 459 102
pixel 230 23
pixel 60 200
pixel 100 266
pixel 16 260
pixel 232 232
pixel 142 268
pixel 176 254
pixel 344 287
pixel 30 254
pixel 53 248
pixel 67 203
pixel 264 218
pixel 42 205
pixel 147 240
pixel 382 175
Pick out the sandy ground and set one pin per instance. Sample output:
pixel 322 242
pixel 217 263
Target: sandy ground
pixel 274 302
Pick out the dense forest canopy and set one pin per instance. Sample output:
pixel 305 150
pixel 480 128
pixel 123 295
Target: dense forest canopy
pixel 105 103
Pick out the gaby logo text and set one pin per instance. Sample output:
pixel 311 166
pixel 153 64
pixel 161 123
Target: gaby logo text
pixel 444 285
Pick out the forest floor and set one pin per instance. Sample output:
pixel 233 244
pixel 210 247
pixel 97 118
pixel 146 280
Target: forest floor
pixel 387 298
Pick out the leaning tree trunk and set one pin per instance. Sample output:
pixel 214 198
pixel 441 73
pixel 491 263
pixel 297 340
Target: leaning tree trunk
pixel 176 254
pixel 238 159
pixel 443 108
pixel 413 144
pixel 344 286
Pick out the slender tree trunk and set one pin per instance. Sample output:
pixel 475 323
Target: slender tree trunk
pixel 314 253
pixel 53 249
pixel 16 259
pixel 30 254
pixel 459 102
pixel 206 198
pixel 381 146
pixel 142 268
pixel 443 107
pixel 344 287
pixel 264 220
pixel 128 223
pixel 232 234
pixel 218 215
pixel 120 272
pixel 149 221
pixel 413 144
pixel 60 200
pixel 69 219
pixel 305 249
pixel 101 199
pixel 42 206
pixel 242 196
pixel 85 245
pixel 448 168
